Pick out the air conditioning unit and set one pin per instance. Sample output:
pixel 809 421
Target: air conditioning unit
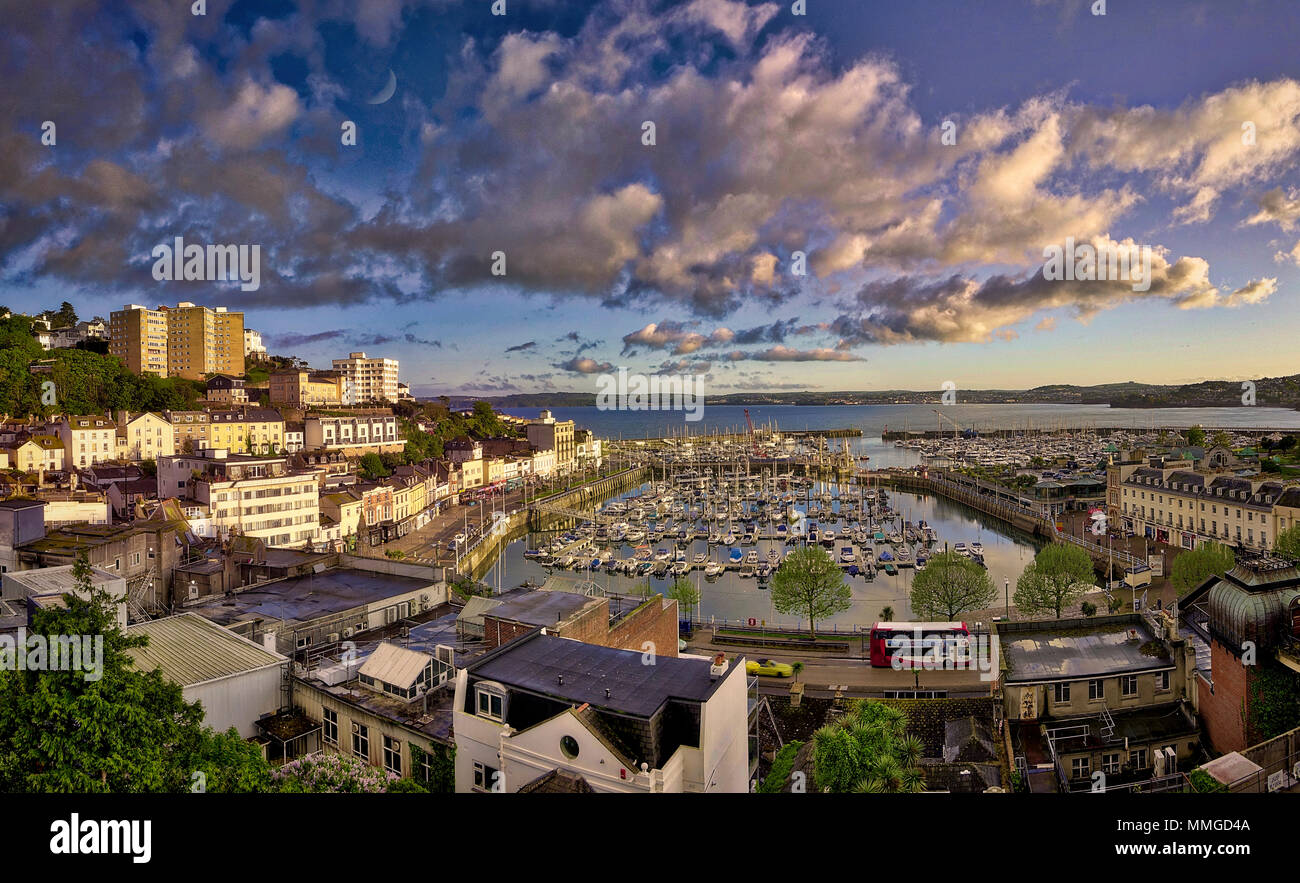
pixel 347 633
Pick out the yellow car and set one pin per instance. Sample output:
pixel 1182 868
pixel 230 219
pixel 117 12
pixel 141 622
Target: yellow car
pixel 768 667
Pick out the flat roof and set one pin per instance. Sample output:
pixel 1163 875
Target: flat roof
pixel 538 607
pixel 537 663
pixel 46 580
pixel 304 598
pixel 1078 654
pixel 189 650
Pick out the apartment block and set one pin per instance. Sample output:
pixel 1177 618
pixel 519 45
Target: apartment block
pixel 366 379
pixel 247 495
pixel 250 430
pixel 144 436
pixel 548 434
pixel 138 336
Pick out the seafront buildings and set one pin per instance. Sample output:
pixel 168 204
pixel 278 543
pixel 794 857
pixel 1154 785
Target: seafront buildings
pixel 367 380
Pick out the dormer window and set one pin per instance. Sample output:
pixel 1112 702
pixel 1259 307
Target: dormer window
pixel 491 703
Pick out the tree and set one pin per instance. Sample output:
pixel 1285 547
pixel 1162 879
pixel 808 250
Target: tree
pixel 107 727
pixel 1191 568
pixel 66 316
pixel 372 466
pixel 1059 575
pixel 1196 437
pixel 1223 439
pixel 332 773
pixel 812 584
pixel 868 750
pixel 1287 544
pixel 886 614
pixel 951 584
pixel 687 597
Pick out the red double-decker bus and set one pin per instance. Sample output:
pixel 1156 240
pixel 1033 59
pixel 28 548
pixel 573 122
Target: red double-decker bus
pixel 920 645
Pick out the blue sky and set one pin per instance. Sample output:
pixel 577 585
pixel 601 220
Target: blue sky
pixel 775 134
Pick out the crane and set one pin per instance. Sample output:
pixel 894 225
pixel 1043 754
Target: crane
pixel 939 422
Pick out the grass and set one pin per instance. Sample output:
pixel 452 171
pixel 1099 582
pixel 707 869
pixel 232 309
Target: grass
pixel 746 633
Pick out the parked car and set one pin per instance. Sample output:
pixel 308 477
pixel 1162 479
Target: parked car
pixel 769 668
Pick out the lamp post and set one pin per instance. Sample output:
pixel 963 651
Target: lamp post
pixel 1006 589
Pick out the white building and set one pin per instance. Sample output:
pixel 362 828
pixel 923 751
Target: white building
pixel 543 704
pixel 88 440
pixel 48 585
pixel 253 345
pixel 236 680
pixel 366 379
pixel 354 431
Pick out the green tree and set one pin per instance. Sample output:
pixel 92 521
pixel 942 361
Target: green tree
pixel 372 466
pixel 1223 439
pixel 887 614
pixel 810 583
pixel 868 750
pixel 1196 437
pixel 1193 567
pixel 951 584
pixel 782 765
pixel 110 728
pixel 686 595
pixel 1287 544
pixel 66 316
pixel 1059 575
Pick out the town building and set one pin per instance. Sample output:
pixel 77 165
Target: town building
pixel 623 623
pixel 237 681
pixel 247 429
pixel 203 341
pixel 88 440
pixel 145 436
pixel 359 433
pixel 253 346
pixel 248 495
pixel 542 704
pixel 37 453
pixel 1250 619
pixel 46 586
pixel 548 434
pixel 1103 695
pixel 306 389
pixel 224 389
pixel 367 380
pixel 1188 507
pixel 189 430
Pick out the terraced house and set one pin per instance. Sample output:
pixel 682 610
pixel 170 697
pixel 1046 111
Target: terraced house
pixel 1187 507
pixel 145 436
pixel 247 430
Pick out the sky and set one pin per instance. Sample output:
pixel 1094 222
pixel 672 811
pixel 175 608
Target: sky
pixel 860 197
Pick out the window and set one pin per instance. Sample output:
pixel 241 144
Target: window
pixel 361 741
pixel 1079 768
pixel 392 755
pixel 1128 685
pixel 490 704
pixel 1162 680
pixel 1138 759
pixel 1061 692
pixel 1095 690
pixel 486 778
pixel 1110 763
pixel 569 746
pixel 330 732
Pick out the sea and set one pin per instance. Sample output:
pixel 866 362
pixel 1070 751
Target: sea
pixel 872 420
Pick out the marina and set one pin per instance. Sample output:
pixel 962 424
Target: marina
pixel 729 533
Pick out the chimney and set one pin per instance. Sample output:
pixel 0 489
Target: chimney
pixel 719 666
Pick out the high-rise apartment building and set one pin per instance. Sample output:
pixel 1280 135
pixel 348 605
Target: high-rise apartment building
pixel 186 340
pixel 366 379
pixel 138 336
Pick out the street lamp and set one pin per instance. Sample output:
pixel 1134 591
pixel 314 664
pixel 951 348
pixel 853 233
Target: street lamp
pixel 1006 589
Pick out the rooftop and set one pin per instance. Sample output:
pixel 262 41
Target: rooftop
pixel 189 650
pixel 304 598
pixel 48 580
pixel 1078 654
pixel 606 678
pixel 534 607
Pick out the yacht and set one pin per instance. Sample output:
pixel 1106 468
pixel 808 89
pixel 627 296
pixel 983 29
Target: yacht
pixel 712 569
pixel 846 555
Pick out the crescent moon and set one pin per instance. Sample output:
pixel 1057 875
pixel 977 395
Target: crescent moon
pixel 385 93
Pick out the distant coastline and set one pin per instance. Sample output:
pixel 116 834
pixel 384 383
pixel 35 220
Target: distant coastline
pixel 1272 392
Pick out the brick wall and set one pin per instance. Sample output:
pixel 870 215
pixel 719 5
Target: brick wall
pixel 654 622
pixel 1221 711
pixel 497 632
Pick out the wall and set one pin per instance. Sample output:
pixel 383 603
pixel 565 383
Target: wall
pixel 240 700
pixel 1223 705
